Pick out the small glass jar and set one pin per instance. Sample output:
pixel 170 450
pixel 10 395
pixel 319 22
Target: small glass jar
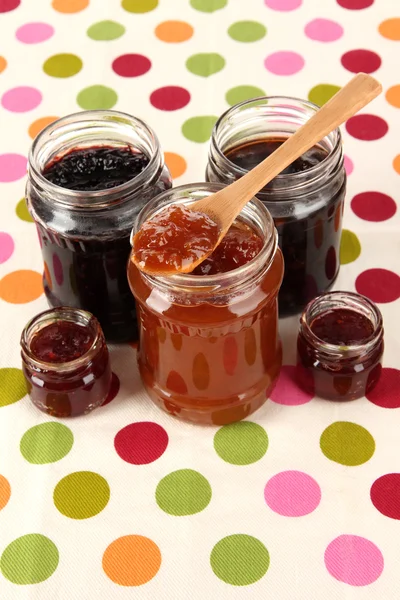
pixel 209 349
pixel 66 389
pixel 340 372
pixel 84 235
pixel 306 205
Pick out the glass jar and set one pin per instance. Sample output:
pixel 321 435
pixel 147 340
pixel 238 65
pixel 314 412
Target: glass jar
pixel 73 387
pixel 84 235
pixel 337 371
pixel 209 349
pixel 305 201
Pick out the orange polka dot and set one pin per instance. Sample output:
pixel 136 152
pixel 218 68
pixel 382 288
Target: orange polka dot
pixel 174 31
pixel 5 491
pixel 20 287
pixel 3 63
pixel 69 6
pixel 175 163
pixel 47 274
pixel 396 164
pixel 37 126
pixel 390 29
pixel 393 96
pixel 132 560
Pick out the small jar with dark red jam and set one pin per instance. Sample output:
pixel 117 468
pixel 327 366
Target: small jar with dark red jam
pixel 340 346
pixel 305 200
pixel 209 349
pixel 89 176
pixel 65 361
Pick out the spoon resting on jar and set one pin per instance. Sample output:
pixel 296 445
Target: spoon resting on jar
pixel 178 239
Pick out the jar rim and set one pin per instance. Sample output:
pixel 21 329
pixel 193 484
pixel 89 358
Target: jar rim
pixel 61 313
pixel 195 191
pixel 92 198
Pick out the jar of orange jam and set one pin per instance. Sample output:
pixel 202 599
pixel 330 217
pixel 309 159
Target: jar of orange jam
pixel 209 349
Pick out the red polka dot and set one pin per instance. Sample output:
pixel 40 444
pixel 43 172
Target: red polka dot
pixel 7 5
pixel 114 389
pixel 355 4
pixel 141 443
pixel 385 495
pixel 170 97
pixel 230 355
pixel 373 206
pixel 176 383
pixel 131 65
pixel 330 263
pixel 361 60
pixel 380 285
pixel 367 127
pixel 287 390
pixel 386 393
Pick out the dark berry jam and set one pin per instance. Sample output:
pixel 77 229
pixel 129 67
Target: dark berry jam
pixel 61 342
pixel 342 327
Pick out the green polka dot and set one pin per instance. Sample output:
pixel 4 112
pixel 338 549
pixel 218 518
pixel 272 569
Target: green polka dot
pixel 322 93
pixel 241 443
pixel 139 6
pixel 205 64
pixel 347 443
pixel 350 247
pixel 208 5
pixel 247 31
pixel 46 443
pixel 183 492
pixel 106 31
pixel 62 65
pixel 32 558
pixel 81 495
pixel 97 97
pixel 12 386
pixel 199 129
pixel 241 93
pixel 239 559
pixel 22 211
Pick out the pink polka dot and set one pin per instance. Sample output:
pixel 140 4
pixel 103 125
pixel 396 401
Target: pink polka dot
pixel 287 391
pixel 386 393
pixel 373 206
pixel 283 5
pixel 354 560
pixel 367 127
pixel 131 65
pixel 380 285
pixel 12 167
pixel 114 389
pixel 58 270
pixel 141 443
pixel 292 494
pixel 6 246
pixel 21 99
pixel 34 33
pixel 348 165
pixel 323 30
pixel 284 63
pixel 170 97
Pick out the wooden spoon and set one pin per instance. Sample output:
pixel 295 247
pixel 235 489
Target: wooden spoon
pixel 225 205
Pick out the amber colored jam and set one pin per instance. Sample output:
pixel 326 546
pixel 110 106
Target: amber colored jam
pixel 211 356
pixel 66 365
pixel 174 239
pixel 339 354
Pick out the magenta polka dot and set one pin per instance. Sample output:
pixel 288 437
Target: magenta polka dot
pixel 348 165
pixel 6 246
pixel 21 99
pixel 283 5
pixel 34 33
pixel 292 494
pixel 287 391
pixel 354 560
pixel 284 63
pixel 323 30
pixel 58 270
pixel 12 167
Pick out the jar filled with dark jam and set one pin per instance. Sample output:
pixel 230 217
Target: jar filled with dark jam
pixel 305 200
pixel 65 361
pixel 340 346
pixel 209 349
pixel 90 174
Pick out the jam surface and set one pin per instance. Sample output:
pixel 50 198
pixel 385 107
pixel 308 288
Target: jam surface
pixel 61 342
pixel 96 168
pixel 342 327
pixel 173 239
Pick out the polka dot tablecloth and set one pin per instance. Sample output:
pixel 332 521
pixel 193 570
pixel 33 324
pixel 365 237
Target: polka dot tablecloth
pixel 301 501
